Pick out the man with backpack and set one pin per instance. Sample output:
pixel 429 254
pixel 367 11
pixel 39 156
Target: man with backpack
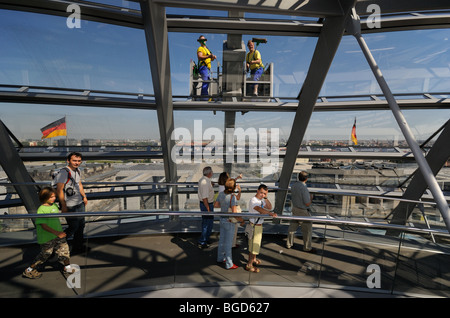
pixel 71 196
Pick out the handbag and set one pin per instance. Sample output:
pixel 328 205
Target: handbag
pixel 238 210
pixel 249 231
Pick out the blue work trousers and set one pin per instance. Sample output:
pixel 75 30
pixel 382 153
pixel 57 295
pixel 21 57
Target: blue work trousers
pixel 205 75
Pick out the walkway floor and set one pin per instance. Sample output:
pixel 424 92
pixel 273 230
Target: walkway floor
pixel 171 265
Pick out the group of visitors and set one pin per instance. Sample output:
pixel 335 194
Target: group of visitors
pixel 68 190
pixel 227 200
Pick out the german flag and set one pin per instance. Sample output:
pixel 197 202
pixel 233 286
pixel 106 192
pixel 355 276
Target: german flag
pixel 354 139
pixel 57 128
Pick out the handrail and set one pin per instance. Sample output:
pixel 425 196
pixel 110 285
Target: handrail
pixel 315 220
pixel 311 190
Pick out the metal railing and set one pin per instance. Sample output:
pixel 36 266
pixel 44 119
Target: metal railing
pixel 413 260
pixel 403 267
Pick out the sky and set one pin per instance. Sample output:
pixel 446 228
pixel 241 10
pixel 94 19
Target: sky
pixel 41 50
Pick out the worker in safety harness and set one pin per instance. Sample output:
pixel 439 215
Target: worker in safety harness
pixel 205 57
pixel 254 64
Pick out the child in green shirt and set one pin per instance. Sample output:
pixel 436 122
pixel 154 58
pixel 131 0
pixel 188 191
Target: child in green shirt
pixel 50 235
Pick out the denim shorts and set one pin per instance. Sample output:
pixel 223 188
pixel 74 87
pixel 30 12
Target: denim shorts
pixel 256 73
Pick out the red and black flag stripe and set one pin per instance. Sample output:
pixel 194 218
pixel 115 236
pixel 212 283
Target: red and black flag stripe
pixel 57 128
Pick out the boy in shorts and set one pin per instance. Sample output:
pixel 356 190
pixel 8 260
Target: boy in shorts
pixel 50 236
pixel 259 204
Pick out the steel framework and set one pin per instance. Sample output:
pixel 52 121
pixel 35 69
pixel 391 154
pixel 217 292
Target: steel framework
pixel 333 20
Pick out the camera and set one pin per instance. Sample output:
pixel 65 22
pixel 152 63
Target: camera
pixel 70 191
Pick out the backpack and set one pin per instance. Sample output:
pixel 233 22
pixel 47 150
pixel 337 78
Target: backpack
pixel 56 172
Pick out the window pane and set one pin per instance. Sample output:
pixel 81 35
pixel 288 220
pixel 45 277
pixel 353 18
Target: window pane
pixel 411 61
pixel 101 125
pixel 40 50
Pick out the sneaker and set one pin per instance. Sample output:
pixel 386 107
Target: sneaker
pixel 33 274
pixel 202 246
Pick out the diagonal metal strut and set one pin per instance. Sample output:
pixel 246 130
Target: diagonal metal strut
pixel 354 28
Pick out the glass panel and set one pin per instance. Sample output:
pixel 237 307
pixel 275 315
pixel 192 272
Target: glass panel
pixel 196 12
pixel 120 3
pixel 40 50
pixel 373 128
pixel 364 261
pixel 422 266
pixel 411 61
pixel 100 125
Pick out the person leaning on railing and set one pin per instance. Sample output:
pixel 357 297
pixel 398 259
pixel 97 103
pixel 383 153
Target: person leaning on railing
pixel 259 204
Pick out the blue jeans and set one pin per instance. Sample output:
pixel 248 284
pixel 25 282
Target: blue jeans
pixel 207 223
pixel 76 226
pixel 204 73
pixel 226 242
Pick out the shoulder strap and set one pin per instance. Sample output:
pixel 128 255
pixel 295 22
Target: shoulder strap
pixel 69 174
pixel 206 51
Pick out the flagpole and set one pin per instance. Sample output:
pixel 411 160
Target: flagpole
pixel 67 134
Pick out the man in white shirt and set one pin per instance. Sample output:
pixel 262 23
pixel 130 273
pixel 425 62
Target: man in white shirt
pixel 206 197
pixel 259 204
